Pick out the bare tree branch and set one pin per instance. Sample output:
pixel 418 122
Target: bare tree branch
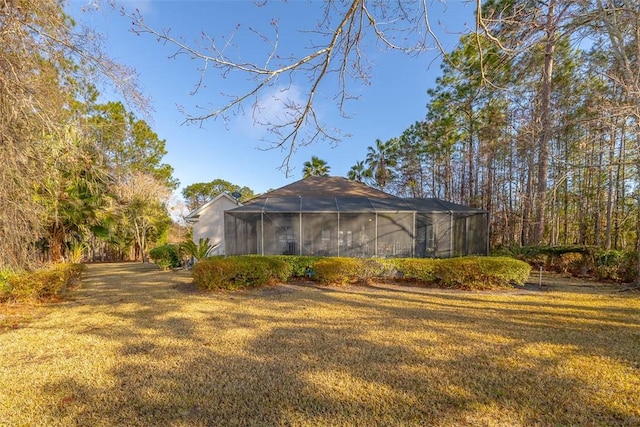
pixel 339 49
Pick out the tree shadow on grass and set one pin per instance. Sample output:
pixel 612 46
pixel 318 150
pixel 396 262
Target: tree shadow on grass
pixel 335 357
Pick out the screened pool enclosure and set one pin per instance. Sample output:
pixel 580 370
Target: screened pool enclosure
pixel 354 226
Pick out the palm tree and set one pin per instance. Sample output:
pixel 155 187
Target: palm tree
pixel 381 160
pixel 198 251
pixel 359 172
pixel 315 167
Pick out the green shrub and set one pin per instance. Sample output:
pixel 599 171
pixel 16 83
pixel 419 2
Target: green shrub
pixel 478 273
pixel 342 271
pixel 463 273
pixel 214 273
pixel 421 269
pixel 580 261
pixel 41 284
pixel 6 273
pixel 616 265
pixel 628 268
pixel 240 272
pixel 505 270
pixel 299 264
pixel 338 270
pixel 166 256
pixel 574 263
pixel 534 255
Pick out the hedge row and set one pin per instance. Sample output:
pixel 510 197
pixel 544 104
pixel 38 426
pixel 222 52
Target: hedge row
pixel 39 285
pixel 461 273
pixel 240 272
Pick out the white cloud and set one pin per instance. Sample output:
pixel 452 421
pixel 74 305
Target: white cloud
pixel 273 108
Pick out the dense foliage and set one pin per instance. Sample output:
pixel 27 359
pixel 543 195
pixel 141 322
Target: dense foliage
pixel 75 173
pixel 580 261
pixel 533 124
pixel 166 256
pixel 199 193
pixel 38 285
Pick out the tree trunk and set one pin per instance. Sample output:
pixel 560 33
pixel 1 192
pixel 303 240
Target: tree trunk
pixel 525 235
pixel 545 120
pixel 610 190
pixel 56 243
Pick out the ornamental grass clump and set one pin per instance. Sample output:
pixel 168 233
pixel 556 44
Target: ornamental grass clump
pixel 235 272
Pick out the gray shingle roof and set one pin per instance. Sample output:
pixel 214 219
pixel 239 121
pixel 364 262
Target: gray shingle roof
pixel 336 194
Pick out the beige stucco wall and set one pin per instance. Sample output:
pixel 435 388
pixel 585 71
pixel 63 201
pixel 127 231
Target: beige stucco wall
pixel 211 224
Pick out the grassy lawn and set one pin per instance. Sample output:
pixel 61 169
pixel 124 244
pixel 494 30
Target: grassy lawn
pixel 136 346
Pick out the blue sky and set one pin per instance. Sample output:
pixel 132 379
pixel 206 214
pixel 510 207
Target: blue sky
pixel 233 151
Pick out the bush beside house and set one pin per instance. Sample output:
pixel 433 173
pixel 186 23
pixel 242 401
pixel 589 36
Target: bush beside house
pixel 477 273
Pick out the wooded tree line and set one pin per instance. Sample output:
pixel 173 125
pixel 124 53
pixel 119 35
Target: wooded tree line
pixel 77 175
pixel 199 193
pixel 535 117
pixel 535 120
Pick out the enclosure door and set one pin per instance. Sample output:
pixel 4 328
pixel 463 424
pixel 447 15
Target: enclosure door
pixel 430 241
pixel 425 241
pixel 281 233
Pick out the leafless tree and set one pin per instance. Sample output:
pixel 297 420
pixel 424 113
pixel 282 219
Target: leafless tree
pixel 44 61
pixel 338 48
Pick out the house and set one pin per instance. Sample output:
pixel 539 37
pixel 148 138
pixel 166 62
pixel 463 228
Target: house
pixel 334 216
pixel 208 221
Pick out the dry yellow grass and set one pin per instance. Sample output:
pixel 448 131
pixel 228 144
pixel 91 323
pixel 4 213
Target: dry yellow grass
pixel 135 347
